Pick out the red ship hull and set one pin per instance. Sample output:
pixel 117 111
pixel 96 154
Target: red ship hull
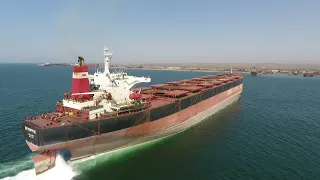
pixel 153 130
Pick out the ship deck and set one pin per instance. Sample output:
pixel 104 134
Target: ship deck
pixel 156 95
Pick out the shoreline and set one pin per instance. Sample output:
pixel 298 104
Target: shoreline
pixel 245 72
pixel 184 70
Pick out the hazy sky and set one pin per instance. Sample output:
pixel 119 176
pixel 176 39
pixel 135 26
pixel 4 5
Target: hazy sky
pixel 283 31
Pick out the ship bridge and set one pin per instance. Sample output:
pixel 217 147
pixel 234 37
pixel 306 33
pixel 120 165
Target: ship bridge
pixel 119 84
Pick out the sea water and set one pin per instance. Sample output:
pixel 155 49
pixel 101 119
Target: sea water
pixel 272 132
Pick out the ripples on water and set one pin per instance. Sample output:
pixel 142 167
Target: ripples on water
pixel 271 133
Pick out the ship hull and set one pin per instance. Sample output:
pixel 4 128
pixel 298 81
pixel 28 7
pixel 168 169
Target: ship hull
pixel 253 73
pixel 148 131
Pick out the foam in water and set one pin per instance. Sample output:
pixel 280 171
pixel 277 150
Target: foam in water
pixel 66 171
pixel 61 171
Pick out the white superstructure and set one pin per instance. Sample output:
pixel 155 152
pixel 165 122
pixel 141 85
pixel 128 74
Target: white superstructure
pixel 117 84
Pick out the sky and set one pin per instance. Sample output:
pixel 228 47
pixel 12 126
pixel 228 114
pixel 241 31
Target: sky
pixel 167 31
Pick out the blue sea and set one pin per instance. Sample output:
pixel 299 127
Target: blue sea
pixel 272 132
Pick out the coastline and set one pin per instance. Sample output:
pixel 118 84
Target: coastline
pixel 216 71
pixel 167 69
pixel 261 71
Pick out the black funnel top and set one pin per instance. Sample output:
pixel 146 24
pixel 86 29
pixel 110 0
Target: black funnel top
pixel 80 61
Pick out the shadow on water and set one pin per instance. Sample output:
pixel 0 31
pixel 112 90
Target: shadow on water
pixel 161 159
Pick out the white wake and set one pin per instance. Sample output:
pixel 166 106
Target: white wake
pixel 64 170
pixel 61 171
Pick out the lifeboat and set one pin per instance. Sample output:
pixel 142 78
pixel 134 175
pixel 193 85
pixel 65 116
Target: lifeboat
pixel 135 96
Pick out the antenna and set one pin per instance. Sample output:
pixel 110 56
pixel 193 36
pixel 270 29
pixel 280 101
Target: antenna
pixel 107 59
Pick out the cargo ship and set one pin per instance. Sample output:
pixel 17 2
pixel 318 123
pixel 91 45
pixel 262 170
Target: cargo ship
pixel 254 72
pixel 106 111
pixel 308 74
pixel 54 64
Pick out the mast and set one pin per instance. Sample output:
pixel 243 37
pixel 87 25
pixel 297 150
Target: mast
pixel 107 59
